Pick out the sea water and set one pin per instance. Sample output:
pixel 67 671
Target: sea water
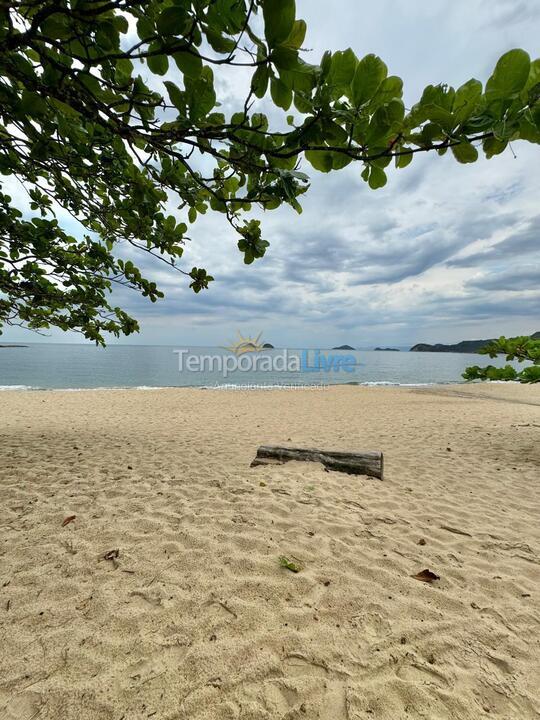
pixel 84 366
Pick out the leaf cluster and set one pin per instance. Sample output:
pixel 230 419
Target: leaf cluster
pixel 523 349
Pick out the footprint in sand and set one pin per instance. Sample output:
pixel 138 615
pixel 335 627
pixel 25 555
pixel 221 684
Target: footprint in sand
pixel 415 671
pixel 280 698
pixel 326 699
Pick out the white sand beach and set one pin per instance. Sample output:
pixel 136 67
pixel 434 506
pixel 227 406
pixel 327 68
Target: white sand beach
pixel 195 618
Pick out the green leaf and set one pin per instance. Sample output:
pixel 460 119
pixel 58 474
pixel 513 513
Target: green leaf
pixel 56 26
pixel 529 131
pixel 370 73
pixel 172 21
pixel 404 160
pixel 334 134
pixel 431 132
pixel 465 152
pixel 534 74
pixel 535 114
pixel 121 24
pixel 441 116
pixel 284 58
pixel 301 78
pixel 218 42
pixel 123 71
pixel 436 104
pixel 297 35
pixel 33 104
pixel 466 100
pixel 320 160
pixel 145 28
pixel 390 89
pixel 201 96
pixel 189 63
pixel 326 64
pixel 289 564
pixel 279 16
pixel 342 68
pixel 106 35
pixel 281 94
pixel 340 160
pixel 377 178
pixel 509 77
pixel 492 147
pixel 158 64
pixel 177 97
pixel 259 81
pixel 302 104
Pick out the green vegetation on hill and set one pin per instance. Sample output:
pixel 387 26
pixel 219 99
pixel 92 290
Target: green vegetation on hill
pixel 465 346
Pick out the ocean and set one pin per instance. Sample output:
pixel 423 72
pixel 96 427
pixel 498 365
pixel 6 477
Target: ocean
pixel 83 366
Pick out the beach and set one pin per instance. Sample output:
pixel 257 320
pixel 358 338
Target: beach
pixel 139 555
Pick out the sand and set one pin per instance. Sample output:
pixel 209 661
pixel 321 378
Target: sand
pixel 196 619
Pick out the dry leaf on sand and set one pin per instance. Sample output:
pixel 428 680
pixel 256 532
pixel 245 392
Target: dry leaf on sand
pixel 426 576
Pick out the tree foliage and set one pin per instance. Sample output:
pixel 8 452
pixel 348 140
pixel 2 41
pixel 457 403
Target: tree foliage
pixel 110 113
pixel 522 349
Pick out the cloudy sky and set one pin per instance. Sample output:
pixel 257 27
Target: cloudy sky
pixel 444 252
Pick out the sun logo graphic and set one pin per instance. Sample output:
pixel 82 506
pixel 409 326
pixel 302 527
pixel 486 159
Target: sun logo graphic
pixel 246 344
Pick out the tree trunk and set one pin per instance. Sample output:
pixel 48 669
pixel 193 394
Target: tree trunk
pixel 355 463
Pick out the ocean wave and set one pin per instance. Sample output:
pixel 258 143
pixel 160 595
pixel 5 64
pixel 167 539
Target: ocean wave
pixel 255 386
pixel 390 383
pixel 245 386
pixel 115 387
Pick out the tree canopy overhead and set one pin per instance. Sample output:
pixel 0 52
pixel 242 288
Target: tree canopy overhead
pixel 109 110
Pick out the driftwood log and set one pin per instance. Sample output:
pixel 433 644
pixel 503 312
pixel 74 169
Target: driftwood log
pixel 355 463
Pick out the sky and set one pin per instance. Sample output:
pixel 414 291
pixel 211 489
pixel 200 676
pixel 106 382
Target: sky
pixel 444 252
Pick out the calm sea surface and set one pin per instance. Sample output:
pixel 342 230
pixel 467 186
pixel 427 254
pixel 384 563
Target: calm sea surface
pixel 48 366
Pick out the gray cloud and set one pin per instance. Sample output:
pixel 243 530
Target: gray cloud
pixel 516 279
pixel 518 244
pixel 509 12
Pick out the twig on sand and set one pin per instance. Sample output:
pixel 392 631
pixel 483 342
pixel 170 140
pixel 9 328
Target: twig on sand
pixel 456 531
pixel 216 601
pixel 227 608
pixel 159 574
pixel 152 677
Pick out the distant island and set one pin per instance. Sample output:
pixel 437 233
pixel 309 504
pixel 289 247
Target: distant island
pixel 268 346
pixel 465 346
pixel 11 345
pixel 387 349
pixel 343 347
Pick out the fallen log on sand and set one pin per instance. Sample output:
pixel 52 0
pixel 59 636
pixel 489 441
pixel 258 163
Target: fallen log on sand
pixel 355 463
